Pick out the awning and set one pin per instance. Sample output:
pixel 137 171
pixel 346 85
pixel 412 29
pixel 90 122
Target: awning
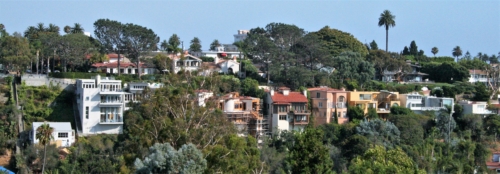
pixel 223 54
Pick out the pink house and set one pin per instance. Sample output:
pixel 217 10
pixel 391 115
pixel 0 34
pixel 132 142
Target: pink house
pixel 325 101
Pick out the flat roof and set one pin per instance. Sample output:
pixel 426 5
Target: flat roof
pixel 58 126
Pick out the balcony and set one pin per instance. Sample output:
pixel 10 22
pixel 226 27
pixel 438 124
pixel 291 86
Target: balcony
pixel 339 105
pixel 300 120
pixel 427 108
pixel 301 112
pixel 111 119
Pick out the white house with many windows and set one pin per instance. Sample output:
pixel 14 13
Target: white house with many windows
pixel 63 135
pixel 476 108
pixel 101 102
pixel 419 103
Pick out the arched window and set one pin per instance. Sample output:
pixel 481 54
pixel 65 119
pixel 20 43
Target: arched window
pixel 341 99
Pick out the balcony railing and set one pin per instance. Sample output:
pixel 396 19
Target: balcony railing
pixel 110 119
pixel 300 111
pixel 338 104
pixel 427 108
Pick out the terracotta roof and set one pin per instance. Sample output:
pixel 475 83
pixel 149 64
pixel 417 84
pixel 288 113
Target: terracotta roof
pixel 477 71
pixel 115 56
pixel 284 88
pixel 292 97
pixel 326 89
pixel 495 165
pixel 210 65
pixel 115 64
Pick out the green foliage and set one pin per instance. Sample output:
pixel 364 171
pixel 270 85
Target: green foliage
pixel 446 72
pixel 399 110
pixel 443 59
pixel 337 42
pixel 214 45
pixel 474 64
pixel 411 131
pixel 481 94
pixel 381 160
pixel 380 132
pixel 15 52
pixel 309 155
pixel 163 158
pixel 373 45
pixel 355 113
pixel 195 45
pixel 350 65
pixel 445 124
pixel 372 113
pixel 234 155
pixel 250 87
pixel 207 59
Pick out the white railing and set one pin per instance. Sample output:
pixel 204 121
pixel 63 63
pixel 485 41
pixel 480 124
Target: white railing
pixel 339 105
pixel 427 108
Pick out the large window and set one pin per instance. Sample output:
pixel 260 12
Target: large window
pixel 282 117
pixel 318 95
pixel 282 108
pixel 365 96
pixel 62 135
pixel 111 114
pixel 320 104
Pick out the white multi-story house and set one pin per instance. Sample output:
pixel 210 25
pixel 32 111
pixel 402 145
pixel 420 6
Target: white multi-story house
pixel 101 102
pixel 419 103
pixel 287 110
pixel 476 108
pixel 479 76
pixel 63 135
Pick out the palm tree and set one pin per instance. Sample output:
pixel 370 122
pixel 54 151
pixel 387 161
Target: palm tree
pixel 386 19
pixel 31 33
pixel 456 52
pixel 434 51
pixel 40 27
pixel 53 28
pixel 164 45
pixel 77 29
pixel 44 135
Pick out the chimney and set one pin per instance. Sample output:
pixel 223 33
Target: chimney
pixel 272 92
pixel 355 90
pixel 304 92
pixel 98 79
pixel 343 89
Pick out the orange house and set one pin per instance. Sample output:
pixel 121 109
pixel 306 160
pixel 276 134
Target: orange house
pixel 325 101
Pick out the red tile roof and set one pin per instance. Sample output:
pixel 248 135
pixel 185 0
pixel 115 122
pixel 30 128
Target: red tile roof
pixel 476 71
pixel 115 64
pixel 292 97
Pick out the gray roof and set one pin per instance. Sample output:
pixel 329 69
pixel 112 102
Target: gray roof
pixel 58 126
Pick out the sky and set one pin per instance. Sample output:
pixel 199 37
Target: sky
pixel 474 25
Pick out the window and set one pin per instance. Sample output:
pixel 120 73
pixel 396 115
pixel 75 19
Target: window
pixel 365 96
pixel 62 135
pixel 344 114
pixel 87 112
pixel 87 98
pixel 318 95
pixel 320 104
pixel 341 99
pixel 282 117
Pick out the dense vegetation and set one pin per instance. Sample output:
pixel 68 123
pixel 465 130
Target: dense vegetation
pixel 168 133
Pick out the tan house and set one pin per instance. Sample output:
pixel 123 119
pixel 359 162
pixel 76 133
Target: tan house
pixel 382 101
pixel 325 101
pixel 245 113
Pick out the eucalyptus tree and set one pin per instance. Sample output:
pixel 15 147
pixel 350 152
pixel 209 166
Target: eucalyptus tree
pixel 259 48
pixel 456 52
pixel 110 34
pixel 386 19
pixel 72 48
pixel 44 135
pixel 139 40
pixel 15 52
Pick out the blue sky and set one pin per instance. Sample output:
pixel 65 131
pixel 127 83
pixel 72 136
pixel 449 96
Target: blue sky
pixel 472 25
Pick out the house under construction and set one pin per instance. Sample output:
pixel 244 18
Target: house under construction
pixel 245 113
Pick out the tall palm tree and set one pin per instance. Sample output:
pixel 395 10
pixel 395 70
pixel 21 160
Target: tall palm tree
pixel 434 51
pixel 44 135
pixel 40 27
pixel 31 33
pixel 164 45
pixel 456 52
pixel 386 19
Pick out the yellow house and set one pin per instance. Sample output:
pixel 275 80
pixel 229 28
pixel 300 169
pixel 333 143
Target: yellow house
pixel 382 101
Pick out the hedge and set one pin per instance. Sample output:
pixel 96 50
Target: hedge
pixel 75 75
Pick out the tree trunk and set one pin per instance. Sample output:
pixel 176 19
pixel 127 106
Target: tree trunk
pixel 139 67
pixel 44 155
pixel 386 38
